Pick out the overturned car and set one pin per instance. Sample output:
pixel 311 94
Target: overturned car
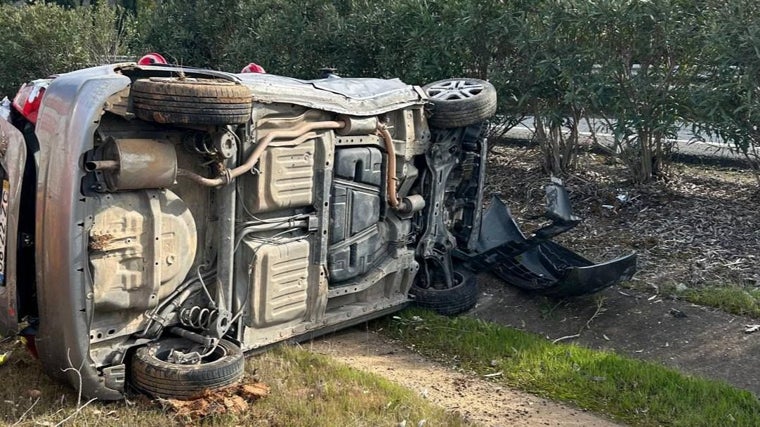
pixel 158 222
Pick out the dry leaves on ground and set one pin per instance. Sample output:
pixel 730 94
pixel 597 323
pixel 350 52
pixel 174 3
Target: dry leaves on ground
pixel 230 400
pixel 696 228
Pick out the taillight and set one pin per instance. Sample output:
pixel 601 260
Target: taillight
pixel 28 99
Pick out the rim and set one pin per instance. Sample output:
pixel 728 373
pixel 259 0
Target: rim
pixel 454 90
pixel 161 351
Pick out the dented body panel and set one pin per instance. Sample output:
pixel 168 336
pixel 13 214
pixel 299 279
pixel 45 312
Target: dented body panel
pixel 70 113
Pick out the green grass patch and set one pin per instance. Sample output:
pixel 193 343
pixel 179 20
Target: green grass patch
pixel 732 299
pixel 306 390
pixel 628 390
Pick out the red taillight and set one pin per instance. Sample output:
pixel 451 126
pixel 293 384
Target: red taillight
pixel 253 68
pixel 28 99
pixel 151 59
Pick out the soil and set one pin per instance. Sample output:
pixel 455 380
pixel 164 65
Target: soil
pixel 475 399
pixel 694 228
pixel 691 338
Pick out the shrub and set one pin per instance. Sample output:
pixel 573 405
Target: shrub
pixel 42 39
pixel 647 55
pixel 726 100
pixel 557 78
pixel 195 33
pixel 643 68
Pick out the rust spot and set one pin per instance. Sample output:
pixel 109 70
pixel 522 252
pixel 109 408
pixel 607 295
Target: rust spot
pixel 4 141
pixel 160 117
pixel 99 242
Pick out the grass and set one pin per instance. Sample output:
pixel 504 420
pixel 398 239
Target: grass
pixel 312 390
pixel 306 390
pixel 732 299
pixel 627 390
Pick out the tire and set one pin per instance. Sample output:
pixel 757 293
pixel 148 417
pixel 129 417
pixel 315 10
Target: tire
pixel 448 302
pixel 152 374
pixel 191 101
pixel 460 102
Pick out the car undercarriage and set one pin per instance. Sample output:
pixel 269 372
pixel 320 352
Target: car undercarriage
pixel 162 221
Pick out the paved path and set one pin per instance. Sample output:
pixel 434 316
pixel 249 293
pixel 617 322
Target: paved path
pixel 685 145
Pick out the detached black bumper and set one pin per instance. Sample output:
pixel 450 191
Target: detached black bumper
pixel 536 263
pixel 554 270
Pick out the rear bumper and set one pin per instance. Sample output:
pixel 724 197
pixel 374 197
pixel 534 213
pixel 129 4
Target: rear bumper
pixel 65 127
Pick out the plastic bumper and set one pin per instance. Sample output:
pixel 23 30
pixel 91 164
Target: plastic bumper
pixel 536 263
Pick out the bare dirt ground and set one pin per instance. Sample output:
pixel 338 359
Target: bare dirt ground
pixel 476 399
pixel 693 339
pixel 698 229
pixel 694 230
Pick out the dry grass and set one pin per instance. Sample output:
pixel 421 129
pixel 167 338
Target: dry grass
pixel 306 390
pixel 312 390
pixel 695 235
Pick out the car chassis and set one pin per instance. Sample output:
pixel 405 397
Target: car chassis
pixel 158 221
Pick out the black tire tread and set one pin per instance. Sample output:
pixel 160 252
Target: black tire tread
pixel 184 103
pixel 198 109
pixel 465 112
pixel 163 379
pixel 452 301
pixel 195 101
pixel 179 118
pixel 209 88
pixel 154 97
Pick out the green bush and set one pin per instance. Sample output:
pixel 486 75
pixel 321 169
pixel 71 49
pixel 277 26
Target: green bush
pixel 726 100
pixel 557 78
pixel 643 68
pixel 197 33
pixel 42 39
pixel 647 54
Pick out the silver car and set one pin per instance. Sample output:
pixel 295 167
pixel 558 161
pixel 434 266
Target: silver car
pixel 158 222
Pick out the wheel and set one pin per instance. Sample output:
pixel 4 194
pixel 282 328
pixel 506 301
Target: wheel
pixel 191 101
pixel 460 102
pixel 451 301
pixel 153 374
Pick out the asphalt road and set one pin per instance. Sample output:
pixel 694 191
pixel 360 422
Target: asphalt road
pixel 687 147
